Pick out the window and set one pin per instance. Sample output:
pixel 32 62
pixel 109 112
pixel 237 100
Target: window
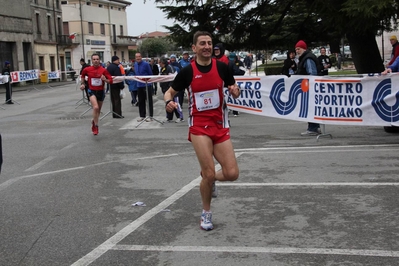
pixel 68 58
pixel 123 56
pixel 49 26
pixel 47 2
pixel 100 6
pixel 59 24
pixel 64 2
pixel 58 4
pixel 121 30
pixel 38 23
pixel 91 30
pixel 41 63
pixel 65 27
pixel 52 63
pixel 112 7
pixel 88 3
pixel 102 28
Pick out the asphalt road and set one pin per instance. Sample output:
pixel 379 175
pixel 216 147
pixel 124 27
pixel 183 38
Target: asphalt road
pixel 66 195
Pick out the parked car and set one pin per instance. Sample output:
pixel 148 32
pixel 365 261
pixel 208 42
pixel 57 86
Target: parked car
pixel 279 55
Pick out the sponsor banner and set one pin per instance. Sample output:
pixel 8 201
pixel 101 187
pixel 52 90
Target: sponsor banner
pixel 54 74
pixel 361 100
pixel 364 100
pixel 19 76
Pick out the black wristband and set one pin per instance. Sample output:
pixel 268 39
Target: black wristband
pixel 167 102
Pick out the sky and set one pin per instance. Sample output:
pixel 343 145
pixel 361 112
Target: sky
pixel 142 18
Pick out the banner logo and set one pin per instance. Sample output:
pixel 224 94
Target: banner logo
pixel 299 88
pixel 381 94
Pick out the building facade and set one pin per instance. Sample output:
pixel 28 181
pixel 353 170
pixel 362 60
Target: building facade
pixel 96 26
pixel 16 35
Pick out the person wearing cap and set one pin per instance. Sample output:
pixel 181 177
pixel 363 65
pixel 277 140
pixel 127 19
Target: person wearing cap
pixel 185 61
pixel 116 88
pixel 7 72
pixel 307 65
pixel 395 49
pixel 218 53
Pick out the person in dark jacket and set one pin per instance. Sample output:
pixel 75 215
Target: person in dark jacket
pixel 155 72
pixel 7 72
pixel 238 69
pixel 218 53
pixel 324 62
pixel 308 65
pixel 290 65
pixel 116 88
pixel 84 65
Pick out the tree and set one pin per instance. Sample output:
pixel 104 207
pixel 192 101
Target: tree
pixel 154 47
pixel 259 24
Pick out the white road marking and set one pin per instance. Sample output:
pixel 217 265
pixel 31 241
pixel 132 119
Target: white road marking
pixel 48 159
pixel 111 242
pixel 246 249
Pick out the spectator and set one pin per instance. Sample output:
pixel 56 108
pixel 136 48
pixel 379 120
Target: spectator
pixel 155 72
pixel 142 68
pixel 307 65
pixel 248 63
pixel 132 84
pixel 166 69
pixel 7 72
pixel 218 52
pixel 84 65
pixel 395 49
pixel 116 88
pixel 238 69
pixel 324 62
pixel 290 66
pixel 185 61
pixel 180 95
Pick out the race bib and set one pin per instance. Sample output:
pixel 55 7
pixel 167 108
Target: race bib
pixel 207 100
pixel 96 82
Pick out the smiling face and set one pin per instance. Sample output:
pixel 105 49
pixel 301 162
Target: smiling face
pixel 203 47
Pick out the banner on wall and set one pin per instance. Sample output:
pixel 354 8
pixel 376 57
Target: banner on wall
pixel 54 74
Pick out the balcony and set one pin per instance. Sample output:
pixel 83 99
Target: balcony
pixel 65 40
pixel 123 40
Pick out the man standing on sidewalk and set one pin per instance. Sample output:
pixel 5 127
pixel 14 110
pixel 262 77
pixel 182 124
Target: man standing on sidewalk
pixel 7 72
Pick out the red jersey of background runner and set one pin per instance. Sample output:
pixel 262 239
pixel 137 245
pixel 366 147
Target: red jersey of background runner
pixel 94 77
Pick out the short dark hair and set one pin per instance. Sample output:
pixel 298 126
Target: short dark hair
pixel 198 34
pixel 95 55
pixel 82 60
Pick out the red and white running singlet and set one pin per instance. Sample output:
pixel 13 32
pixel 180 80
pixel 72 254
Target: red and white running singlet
pixel 206 98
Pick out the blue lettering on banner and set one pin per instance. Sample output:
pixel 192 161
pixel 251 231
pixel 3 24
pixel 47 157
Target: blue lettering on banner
pixel 296 91
pixel 27 75
pixel 250 95
pixel 52 75
pixel 338 100
pixel 383 110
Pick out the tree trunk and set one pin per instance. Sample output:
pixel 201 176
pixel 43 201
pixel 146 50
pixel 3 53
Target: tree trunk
pixel 365 53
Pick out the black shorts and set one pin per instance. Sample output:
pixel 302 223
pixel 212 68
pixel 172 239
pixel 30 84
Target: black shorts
pixel 100 95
